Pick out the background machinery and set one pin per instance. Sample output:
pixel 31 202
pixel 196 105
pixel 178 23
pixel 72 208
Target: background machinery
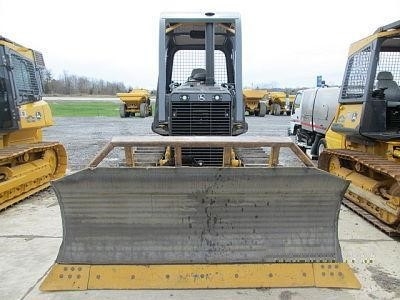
pixel 280 103
pixel 317 107
pixel 198 217
pixel 135 101
pixel 27 164
pixel 255 103
pixel 363 140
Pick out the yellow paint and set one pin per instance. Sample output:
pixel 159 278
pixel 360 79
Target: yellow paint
pixel 278 98
pixel 348 116
pixel 134 96
pixel 35 115
pixel 28 53
pixel 66 278
pixel 337 275
pixel 254 94
pixel 134 99
pixel 26 164
pixel 30 172
pixel 369 189
pixel 334 140
pixel 359 45
pixel 199 276
pixel 252 97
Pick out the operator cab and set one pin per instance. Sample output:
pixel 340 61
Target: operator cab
pixel 20 81
pixel 199 86
pixel 372 79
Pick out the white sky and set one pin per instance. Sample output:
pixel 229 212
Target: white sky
pixel 285 43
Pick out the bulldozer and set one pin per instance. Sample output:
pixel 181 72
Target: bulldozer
pixel 255 105
pixel 363 139
pixel 27 163
pixel 133 102
pixel 200 215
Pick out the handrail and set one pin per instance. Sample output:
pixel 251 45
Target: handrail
pixel 177 142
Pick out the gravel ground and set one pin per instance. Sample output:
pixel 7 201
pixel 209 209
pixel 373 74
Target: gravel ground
pixel 31 231
pixel 84 137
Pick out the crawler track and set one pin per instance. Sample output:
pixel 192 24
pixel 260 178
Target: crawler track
pixel 370 218
pixel 28 168
pixel 368 208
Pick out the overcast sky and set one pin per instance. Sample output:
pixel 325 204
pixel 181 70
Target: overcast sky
pixel 285 43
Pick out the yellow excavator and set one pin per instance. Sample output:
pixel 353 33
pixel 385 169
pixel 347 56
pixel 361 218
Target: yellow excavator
pixel 27 164
pixel 363 140
pixel 211 215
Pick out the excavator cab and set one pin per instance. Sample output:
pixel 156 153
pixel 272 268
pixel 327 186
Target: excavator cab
pixel 206 223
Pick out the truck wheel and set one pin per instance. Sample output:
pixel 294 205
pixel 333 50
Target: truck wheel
pixel 276 109
pixel 122 111
pixel 262 109
pixel 321 146
pixel 144 110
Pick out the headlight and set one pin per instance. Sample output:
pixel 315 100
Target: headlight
pixel 217 97
pixel 184 97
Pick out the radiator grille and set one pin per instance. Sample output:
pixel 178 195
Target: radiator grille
pixel 200 118
pixel 201 157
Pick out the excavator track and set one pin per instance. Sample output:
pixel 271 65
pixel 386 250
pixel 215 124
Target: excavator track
pixel 26 169
pixel 374 208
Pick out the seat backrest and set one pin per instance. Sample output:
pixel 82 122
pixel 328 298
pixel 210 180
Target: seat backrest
pixel 198 74
pixel 392 90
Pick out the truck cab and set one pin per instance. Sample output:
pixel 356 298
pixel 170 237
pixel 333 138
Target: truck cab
pixel 295 113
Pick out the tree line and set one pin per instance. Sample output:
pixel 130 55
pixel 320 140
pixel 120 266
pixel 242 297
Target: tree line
pixel 67 84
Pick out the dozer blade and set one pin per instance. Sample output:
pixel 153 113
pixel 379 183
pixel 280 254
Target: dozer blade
pixel 197 218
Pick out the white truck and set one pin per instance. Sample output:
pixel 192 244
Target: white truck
pixel 312 113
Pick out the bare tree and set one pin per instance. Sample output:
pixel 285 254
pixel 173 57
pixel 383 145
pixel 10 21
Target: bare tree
pixel 68 84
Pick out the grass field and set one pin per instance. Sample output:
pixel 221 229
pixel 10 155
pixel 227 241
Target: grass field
pixel 67 108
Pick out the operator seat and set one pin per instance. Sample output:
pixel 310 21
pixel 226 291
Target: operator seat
pixel 198 74
pixel 392 90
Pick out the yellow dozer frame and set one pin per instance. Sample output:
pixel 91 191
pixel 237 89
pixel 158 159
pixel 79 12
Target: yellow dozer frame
pixel 363 140
pixel 27 163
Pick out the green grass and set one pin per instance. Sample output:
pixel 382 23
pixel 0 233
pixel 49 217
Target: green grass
pixel 67 108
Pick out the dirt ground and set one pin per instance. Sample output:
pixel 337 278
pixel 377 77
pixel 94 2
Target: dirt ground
pixel 31 231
